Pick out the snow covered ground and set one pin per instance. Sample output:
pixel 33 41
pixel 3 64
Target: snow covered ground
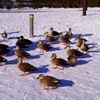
pixel 81 82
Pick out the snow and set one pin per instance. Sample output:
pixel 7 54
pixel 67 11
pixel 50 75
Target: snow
pixel 79 83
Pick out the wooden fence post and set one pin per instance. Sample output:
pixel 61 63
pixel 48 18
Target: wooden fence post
pixel 84 7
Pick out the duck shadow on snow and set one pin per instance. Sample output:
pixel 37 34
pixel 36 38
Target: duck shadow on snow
pixel 32 46
pixel 42 69
pixel 11 53
pixel 76 35
pixel 84 56
pixel 81 62
pixel 11 62
pixel 33 57
pixel 66 83
pixel 54 49
pixel 38 35
pixel 12 33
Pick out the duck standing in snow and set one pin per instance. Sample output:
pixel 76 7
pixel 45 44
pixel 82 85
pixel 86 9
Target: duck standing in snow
pixel 69 33
pixel 25 67
pixel 53 33
pixel 72 52
pixel 4 35
pixel 49 38
pixel 21 44
pixel 26 41
pixel 79 41
pixel 45 47
pixel 72 59
pixel 58 62
pixel 63 40
pixel 84 47
pixel 20 53
pixel 49 81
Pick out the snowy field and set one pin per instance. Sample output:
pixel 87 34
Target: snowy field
pixel 81 82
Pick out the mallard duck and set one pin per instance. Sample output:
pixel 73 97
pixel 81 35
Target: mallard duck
pixel 49 81
pixel 72 59
pixel 2 60
pixel 4 35
pixel 63 40
pixel 80 37
pixel 21 53
pixel 71 52
pixel 21 44
pixel 3 51
pixel 58 62
pixel 84 47
pixel 25 67
pixel 54 33
pixel 26 41
pixel 79 41
pixel 45 47
pixel 51 39
pixel 69 33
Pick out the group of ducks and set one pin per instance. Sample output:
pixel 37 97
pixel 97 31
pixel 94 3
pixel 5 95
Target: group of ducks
pixel 72 54
pixel 27 68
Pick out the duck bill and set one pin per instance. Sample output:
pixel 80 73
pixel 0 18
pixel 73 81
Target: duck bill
pixel 37 78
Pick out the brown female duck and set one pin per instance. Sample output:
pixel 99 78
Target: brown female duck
pixel 84 47
pixel 69 33
pixel 45 47
pixel 4 35
pixel 63 40
pixel 25 67
pixel 72 59
pixel 21 53
pixel 49 81
pixel 58 62
pixel 71 52
pixel 79 41
pixel 51 39
pixel 53 33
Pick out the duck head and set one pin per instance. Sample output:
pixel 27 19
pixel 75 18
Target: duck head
pixel 39 42
pixel 68 47
pixel 41 76
pixel 46 33
pixel 53 55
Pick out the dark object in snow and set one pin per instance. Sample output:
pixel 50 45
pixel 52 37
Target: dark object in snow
pixel 26 41
pixel 2 59
pixel 21 44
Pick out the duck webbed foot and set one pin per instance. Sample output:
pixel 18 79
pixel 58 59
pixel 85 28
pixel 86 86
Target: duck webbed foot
pixel 55 67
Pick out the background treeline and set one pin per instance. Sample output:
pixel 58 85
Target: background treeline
pixel 47 3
